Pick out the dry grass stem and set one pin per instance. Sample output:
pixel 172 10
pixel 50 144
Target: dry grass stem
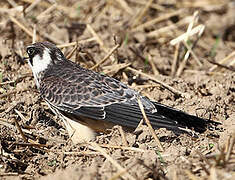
pixel 31 6
pixel 142 13
pixel 98 39
pixel 106 57
pixel 152 5
pixel 115 68
pixel 166 29
pixel 110 159
pixel 64 45
pixel 33 145
pixel 222 66
pixel 21 115
pixel 175 60
pixel 12 92
pixel 149 125
pixel 23 76
pixel 139 125
pixel 174 175
pixel 156 20
pixel 190 26
pixel 173 90
pixel 13 3
pixel 146 86
pixel 152 64
pixel 122 147
pixel 8 174
pixel 69 11
pixel 231 142
pixel 125 6
pixel 82 153
pixel 34 39
pixel 7 82
pixel 19 128
pixel 197 29
pixel 189 49
pixel 192 53
pixel 213 175
pixel 14 20
pixel 47 11
pixel 124 141
pixel 12 11
pixel 72 52
pixel 227 58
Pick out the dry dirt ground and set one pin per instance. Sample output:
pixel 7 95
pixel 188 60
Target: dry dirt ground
pixel 144 30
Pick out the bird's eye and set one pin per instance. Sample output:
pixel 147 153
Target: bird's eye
pixel 30 51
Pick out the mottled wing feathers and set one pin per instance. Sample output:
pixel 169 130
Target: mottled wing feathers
pixel 107 106
pixel 83 92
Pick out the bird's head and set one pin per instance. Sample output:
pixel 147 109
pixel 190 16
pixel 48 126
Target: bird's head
pixel 41 55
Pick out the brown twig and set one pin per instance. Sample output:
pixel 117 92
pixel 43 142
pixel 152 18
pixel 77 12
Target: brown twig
pixel 32 144
pixel 12 3
pixel 124 141
pixel 156 20
pixel 137 53
pixel 115 68
pixel 83 153
pixel 12 92
pixel 19 128
pixel 106 57
pixel 195 30
pixel 175 60
pixel 230 147
pixel 167 29
pixel 153 5
pixel 34 38
pixel 110 159
pixel 71 52
pixel 173 90
pixel 122 147
pixel 125 6
pixel 14 20
pixel 221 65
pixel 31 6
pixel 149 125
pixel 47 11
pixel 151 62
pixel 98 39
pixel 9 174
pixel 192 53
pixel 223 61
pixel 74 43
pixel 142 13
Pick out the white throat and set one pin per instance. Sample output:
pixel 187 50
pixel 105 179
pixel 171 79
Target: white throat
pixel 40 64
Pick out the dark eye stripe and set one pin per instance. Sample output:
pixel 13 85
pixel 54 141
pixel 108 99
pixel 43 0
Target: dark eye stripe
pixel 31 61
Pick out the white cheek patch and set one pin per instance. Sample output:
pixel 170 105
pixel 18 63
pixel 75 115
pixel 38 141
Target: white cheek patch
pixel 41 64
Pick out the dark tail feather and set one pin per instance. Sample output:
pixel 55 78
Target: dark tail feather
pixel 183 119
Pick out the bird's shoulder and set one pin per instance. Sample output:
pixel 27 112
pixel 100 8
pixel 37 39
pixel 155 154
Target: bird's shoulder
pixel 70 83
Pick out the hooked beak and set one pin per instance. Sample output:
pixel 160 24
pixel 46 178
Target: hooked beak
pixel 25 58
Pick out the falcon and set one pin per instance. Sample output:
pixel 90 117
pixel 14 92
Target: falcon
pixel 89 103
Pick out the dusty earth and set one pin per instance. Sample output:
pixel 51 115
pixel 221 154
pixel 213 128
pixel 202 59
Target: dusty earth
pixel 144 30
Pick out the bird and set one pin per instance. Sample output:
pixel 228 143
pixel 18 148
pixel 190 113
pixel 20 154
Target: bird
pixel 90 103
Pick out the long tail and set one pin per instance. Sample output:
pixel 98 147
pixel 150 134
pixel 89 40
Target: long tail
pixel 182 119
